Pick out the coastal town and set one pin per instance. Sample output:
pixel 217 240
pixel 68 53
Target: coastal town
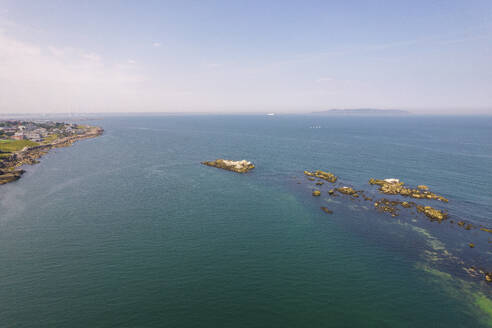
pixel 23 142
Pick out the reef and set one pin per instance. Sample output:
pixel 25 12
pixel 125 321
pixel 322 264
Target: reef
pixel 235 166
pixel 394 204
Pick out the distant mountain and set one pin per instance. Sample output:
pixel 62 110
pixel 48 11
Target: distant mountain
pixel 364 111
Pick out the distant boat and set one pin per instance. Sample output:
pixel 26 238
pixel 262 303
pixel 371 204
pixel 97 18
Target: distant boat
pixel 271 114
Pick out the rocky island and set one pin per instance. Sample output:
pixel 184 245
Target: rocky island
pixel 396 187
pixel 235 166
pixel 23 142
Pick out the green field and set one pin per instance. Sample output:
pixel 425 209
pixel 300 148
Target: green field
pixel 8 146
pixel 50 138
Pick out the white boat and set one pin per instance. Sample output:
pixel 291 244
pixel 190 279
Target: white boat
pixel 271 114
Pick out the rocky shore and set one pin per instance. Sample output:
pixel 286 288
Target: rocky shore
pixel 235 166
pixel 9 165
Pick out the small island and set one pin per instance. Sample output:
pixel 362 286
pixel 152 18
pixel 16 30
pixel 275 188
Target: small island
pixel 396 187
pixel 363 112
pixel 235 166
pixel 23 142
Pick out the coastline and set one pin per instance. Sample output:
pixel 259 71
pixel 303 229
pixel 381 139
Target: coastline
pixel 9 166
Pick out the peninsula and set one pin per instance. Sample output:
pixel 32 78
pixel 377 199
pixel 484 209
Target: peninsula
pixel 23 142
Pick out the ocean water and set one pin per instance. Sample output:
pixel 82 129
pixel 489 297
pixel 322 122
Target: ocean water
pixel 129 230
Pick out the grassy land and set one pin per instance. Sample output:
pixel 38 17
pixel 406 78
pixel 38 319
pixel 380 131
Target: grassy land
pixel 8 146
pixel 50 138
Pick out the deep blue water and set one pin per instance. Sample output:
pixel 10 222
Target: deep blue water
pixel 129 230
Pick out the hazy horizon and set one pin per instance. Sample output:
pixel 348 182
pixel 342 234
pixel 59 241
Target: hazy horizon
pixel 244 57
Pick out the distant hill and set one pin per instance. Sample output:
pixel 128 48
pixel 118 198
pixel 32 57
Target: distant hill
pixel 364 111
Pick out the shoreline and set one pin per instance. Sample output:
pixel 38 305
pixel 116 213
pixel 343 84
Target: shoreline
pixel 9 166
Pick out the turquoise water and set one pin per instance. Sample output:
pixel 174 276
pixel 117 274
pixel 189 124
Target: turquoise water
pixel 129 230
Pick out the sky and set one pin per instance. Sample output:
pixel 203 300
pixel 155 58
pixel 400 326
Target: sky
pixel 428 57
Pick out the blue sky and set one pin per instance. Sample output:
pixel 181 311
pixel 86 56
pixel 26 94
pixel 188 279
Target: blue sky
pixel 245 56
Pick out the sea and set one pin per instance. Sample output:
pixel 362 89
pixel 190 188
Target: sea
pixel 129 229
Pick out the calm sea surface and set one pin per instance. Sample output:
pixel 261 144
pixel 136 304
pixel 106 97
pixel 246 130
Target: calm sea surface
pixel 129 230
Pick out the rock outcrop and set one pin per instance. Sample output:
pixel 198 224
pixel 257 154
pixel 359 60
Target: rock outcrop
pixel 7 176
pixel 432 213
pixel 347 191
pixel 396 187
pixel 235 166
pixel 328 176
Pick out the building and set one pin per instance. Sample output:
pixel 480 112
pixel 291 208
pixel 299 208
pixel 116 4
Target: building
pixel 19 136
pixel 34 137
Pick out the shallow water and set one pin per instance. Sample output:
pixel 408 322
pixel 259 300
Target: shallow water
pixel 129 230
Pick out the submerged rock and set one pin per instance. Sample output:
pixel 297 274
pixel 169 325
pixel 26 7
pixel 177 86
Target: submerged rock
pixel 326 210
pixel 406 204
pixel 235 166
pixel 388 206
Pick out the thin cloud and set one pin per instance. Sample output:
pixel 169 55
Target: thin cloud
pixel 156 44
pixel 33 77
pixel 324 79
pixel 92 56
